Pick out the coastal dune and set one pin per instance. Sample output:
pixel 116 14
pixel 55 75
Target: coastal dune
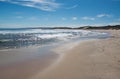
pixel 94 59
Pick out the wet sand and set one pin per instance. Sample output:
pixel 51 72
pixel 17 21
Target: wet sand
pixel 95 59
pixel 23 63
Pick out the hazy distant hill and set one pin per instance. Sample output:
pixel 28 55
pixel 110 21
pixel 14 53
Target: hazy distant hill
pixel 91 27
pixel 101 27
pixel 116 27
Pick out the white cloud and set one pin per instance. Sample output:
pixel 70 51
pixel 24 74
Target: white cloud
pixel 74 18
pixel 96 17
pixel 88 18
pixel 72 7
pixel 103 15
pixel 46 5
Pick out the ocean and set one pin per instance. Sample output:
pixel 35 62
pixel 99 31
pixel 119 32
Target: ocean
pixel 16 38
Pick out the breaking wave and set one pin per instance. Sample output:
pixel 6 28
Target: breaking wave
pixel 18 38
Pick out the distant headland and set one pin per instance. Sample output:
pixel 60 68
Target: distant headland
pixel 112 27
pixel 108 27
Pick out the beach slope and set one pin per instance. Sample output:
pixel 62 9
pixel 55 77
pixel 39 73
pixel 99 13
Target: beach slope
pixel 95 59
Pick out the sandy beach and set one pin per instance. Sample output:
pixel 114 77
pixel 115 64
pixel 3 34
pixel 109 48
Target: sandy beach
pixel 91 59
pixel 95 59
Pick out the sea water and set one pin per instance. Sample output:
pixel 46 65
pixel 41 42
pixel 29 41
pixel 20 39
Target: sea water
pixel 15 38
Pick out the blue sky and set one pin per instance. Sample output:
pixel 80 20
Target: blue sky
pixel 73 13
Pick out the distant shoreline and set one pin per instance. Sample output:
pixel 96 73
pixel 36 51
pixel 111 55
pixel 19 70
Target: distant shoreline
pixel 108 27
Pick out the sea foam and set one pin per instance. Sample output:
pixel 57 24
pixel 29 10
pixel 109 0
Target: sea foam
pixel 18 38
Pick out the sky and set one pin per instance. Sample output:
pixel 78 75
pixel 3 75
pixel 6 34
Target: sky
pixel 58 13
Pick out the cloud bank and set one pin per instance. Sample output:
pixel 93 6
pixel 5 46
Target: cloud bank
pixel 45 5
pixel 97 17
pixel 88 18
pixel 103 15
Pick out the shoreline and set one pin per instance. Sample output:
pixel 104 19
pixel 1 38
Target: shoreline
pixel 62 65
pixel 96 59
pixel 62 51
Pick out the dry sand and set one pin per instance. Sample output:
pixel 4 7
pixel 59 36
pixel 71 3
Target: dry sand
pixel 96 59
